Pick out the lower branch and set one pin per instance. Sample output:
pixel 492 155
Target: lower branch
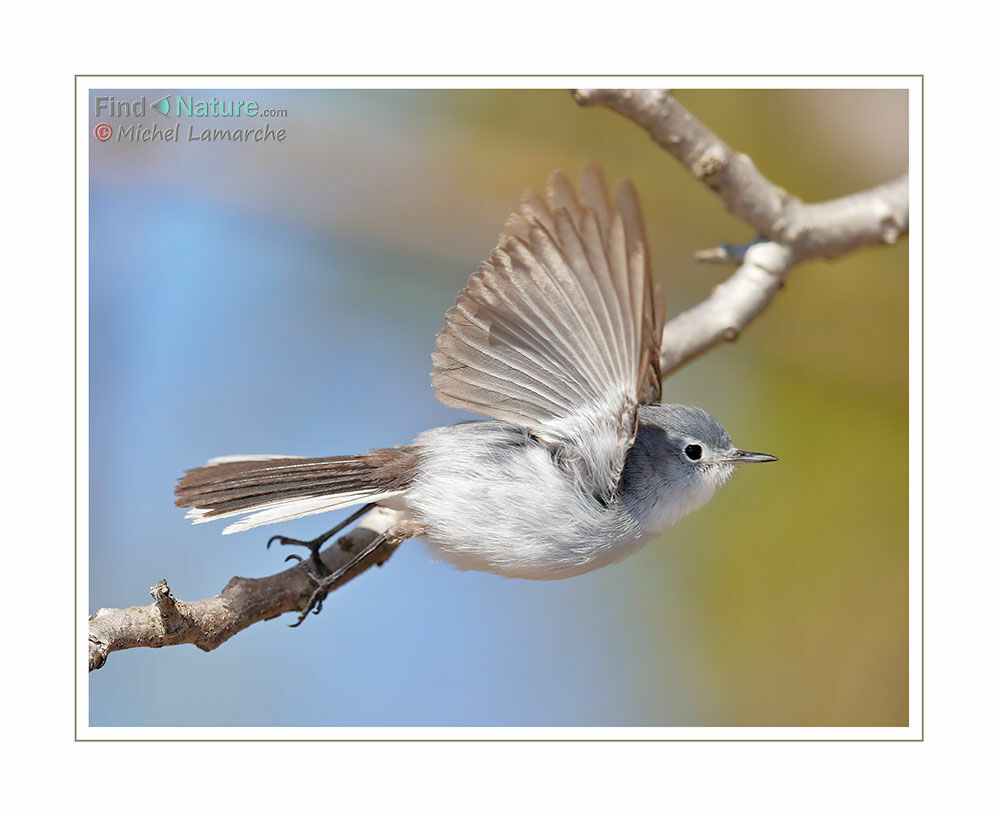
pixel 242 602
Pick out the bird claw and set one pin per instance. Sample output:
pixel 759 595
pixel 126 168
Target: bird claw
pixel 315 603
pixel 324 582
pixel 314 546
pixel 322 578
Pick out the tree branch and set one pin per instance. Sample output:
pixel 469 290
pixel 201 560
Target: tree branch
pixel 242 602
pixel 790 231
pixel 728 310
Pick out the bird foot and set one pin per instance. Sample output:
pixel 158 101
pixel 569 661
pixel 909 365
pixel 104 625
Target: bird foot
pixel 314 545
pixel 325 581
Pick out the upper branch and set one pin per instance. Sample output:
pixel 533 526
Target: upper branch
pixel 828 229
pixel 790 231
pixel 831 228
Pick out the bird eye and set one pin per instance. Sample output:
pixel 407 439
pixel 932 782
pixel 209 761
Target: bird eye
pixel 693 452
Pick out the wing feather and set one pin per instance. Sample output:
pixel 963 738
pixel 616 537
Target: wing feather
pixel 559 331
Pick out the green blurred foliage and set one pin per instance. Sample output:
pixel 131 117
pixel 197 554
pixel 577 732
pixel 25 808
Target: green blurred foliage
pixel 795 604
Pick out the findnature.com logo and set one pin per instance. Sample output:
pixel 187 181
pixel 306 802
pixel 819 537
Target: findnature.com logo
pixel 185 107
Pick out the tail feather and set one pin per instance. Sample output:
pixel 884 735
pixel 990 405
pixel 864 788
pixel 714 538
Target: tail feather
pixel 277 489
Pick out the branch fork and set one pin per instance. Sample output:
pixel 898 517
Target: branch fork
pixel 789 231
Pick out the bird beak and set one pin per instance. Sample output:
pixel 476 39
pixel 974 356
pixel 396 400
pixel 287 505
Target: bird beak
pixel 738 456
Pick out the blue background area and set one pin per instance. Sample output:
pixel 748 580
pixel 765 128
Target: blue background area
pixel 284 299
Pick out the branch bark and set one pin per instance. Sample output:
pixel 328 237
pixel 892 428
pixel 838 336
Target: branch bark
pixel 242 602
pixel 789 230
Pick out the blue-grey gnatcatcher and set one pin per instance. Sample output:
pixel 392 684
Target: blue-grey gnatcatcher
pixel 557 338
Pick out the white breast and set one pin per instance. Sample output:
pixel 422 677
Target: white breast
pixel 491 500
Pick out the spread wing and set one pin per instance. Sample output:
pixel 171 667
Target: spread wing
pixel 559 331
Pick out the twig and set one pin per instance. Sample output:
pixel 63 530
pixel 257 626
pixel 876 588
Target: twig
pixel 724 314
pixel 727 253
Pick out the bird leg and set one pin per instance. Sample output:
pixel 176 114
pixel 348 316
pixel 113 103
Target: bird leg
pixel 395 536
pixel 314 545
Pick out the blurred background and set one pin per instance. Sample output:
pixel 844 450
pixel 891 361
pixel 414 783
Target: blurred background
pixel 283 298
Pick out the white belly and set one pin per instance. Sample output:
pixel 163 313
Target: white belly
pixel 489 502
